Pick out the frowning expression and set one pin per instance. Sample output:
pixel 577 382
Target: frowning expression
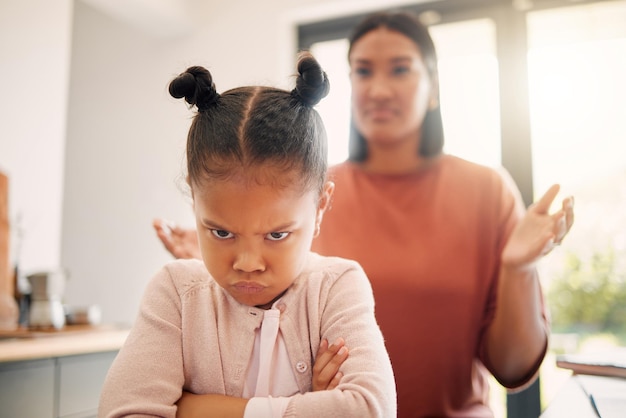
pixel 254 236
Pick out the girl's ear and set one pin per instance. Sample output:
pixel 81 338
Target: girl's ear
pixel 324 204
pixel 326 196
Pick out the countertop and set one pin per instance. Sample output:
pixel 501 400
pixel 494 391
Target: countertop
pixel 24 344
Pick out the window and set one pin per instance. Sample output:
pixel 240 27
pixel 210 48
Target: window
pixel 335 108
pixel 576 62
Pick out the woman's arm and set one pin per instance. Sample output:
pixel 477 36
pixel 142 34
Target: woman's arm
pixel 517 337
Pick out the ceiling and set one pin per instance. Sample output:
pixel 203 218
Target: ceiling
pixel 157 18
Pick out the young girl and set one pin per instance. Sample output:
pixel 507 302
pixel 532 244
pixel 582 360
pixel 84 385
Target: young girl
pixel 245 332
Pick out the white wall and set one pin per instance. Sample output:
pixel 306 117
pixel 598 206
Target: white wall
pixel 35 37
pixel 125 135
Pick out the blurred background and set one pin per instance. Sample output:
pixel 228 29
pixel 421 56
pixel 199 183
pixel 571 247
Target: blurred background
pixel 93 145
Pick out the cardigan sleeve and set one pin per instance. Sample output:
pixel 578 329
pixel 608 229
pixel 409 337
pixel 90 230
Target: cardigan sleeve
pixel 367 388
pixel 146 378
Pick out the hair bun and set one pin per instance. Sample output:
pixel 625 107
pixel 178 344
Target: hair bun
pixel 196 86
pixel 312 84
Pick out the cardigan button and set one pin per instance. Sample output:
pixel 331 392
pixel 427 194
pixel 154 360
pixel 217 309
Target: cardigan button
pixel 301 367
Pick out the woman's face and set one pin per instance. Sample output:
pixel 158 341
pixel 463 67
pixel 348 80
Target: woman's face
pixel 255 238
pixel 391 87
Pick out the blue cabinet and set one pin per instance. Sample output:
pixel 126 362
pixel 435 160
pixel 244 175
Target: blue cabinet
pixel 61 387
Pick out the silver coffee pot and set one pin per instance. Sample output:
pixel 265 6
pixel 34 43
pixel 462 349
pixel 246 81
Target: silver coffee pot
pixel 46 300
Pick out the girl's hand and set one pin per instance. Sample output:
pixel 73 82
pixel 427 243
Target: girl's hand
pixel 538 232
pixel 326 374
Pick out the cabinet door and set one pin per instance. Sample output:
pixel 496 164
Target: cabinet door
pixel 80 382
pixel 27 389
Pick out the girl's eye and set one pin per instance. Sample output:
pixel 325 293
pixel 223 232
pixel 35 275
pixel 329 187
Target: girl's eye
pixel 277 236
pixel 221 234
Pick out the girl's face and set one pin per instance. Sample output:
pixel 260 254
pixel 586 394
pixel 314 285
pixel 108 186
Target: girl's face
pixel 391 87
pixel 255 238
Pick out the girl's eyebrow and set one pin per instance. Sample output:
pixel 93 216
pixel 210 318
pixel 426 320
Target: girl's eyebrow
pixel 284 227
pixel 214 225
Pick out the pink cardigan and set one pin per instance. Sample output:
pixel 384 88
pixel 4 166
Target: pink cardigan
pixel 190 334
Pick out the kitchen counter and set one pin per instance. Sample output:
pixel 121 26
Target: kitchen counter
pixel 56 373
pixel 22 344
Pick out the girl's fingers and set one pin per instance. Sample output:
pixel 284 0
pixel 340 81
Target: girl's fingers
pixel 329 359
pixel 326 352
pixel 330 370
pixel 335 382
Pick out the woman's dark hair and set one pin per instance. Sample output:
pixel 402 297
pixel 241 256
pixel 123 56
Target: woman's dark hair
pixel 408 24
pixel 248 126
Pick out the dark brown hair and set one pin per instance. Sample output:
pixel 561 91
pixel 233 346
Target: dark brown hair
pixel 408 24
pixel 249 126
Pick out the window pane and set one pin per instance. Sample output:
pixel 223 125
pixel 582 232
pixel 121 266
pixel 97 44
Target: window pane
pixel 577 62
pixel 470 105
pixel 335 108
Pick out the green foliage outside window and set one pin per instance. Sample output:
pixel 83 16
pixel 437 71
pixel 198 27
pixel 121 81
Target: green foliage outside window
pixel 589 296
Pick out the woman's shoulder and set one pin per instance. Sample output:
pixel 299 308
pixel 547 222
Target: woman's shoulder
pixel 472 172
pixel 445 163
pixel 343 170
pixel 485 183
pixel 340 167
pixel 466 166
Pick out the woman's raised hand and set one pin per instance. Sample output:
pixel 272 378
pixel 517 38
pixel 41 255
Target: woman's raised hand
pixel 538 232
pixel 180 242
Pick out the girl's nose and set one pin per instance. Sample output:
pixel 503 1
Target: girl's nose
pixel 249 260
